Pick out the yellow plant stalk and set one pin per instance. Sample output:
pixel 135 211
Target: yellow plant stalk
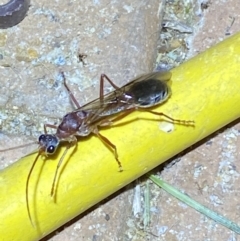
pixel 204 89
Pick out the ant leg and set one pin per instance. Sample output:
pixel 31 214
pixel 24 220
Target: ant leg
pixel 73 99
pixel 49 126
pixel 181 122
pixel 72 142
pixel 26 190
pixel 102 78
pixel 109 122
pixel 110 145
pixel 125 113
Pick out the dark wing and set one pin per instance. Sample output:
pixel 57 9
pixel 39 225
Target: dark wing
pixel 163 76
pixel 119 99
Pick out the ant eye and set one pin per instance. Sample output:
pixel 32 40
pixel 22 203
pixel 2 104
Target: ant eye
pixel 42 137
pixel 51 149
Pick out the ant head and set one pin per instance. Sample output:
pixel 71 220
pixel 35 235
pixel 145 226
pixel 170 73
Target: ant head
pixel 48 143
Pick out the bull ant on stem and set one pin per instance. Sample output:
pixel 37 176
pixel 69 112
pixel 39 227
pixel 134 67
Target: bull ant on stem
pixel 142 92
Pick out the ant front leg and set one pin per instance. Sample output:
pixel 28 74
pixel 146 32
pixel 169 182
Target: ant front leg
pixel 72 97
pixel 72 143
pixel 49 126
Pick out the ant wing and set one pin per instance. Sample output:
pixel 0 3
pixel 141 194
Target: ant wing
pixel 120 99
pixel 161 76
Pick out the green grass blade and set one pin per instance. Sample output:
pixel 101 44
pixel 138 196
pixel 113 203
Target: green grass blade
pixel 197 206
pixel 146 216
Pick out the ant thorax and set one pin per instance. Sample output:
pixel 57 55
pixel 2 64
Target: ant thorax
pixel 73 123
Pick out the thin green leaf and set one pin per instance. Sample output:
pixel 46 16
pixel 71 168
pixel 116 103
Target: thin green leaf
pixel 197 206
